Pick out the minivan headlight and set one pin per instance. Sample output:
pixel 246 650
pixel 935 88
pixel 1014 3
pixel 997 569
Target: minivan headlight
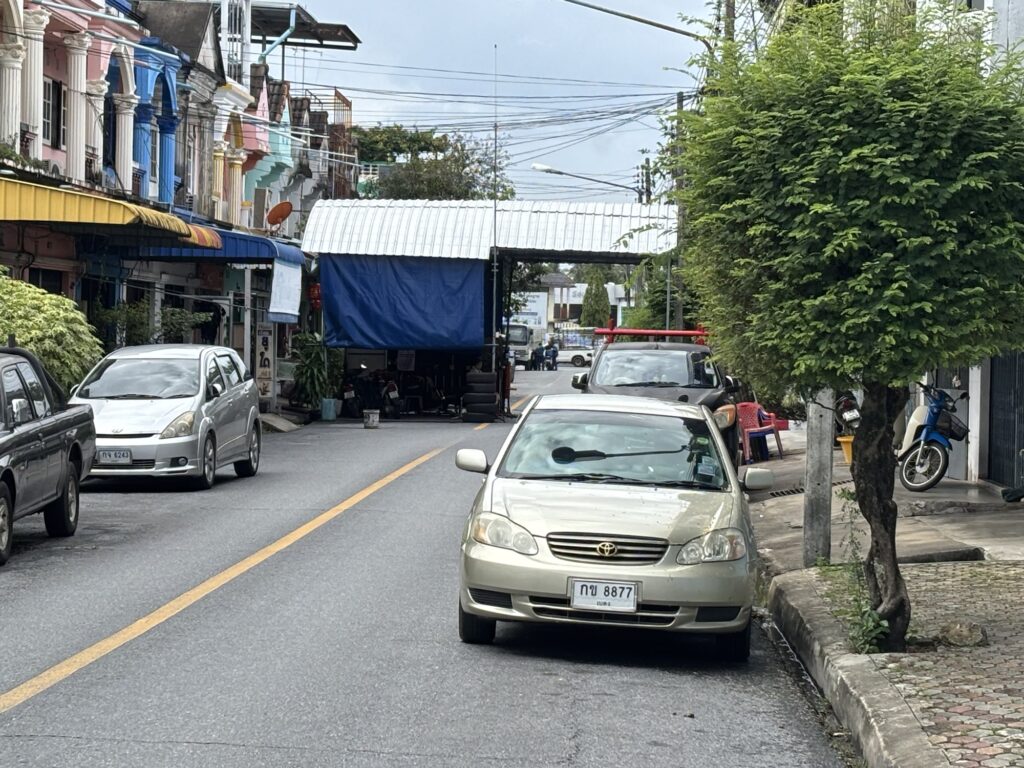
pixel 714 547
pixel 725 416
pixel 182 426
pixel 499 531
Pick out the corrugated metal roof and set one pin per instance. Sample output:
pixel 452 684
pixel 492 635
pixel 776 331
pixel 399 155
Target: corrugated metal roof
pixel 462 229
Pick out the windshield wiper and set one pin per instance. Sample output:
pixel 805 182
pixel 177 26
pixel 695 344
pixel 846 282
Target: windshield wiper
pixel 650 384
pixel 585 477
pixel 133 397
pixel 688 484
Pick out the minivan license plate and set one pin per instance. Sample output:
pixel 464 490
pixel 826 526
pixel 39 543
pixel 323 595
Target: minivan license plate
pixel 604 595
pixel 115 457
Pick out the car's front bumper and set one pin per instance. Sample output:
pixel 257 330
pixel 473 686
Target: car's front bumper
pixel 710 597
pixel 151 457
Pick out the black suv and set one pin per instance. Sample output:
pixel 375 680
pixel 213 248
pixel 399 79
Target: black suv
pixel 665 371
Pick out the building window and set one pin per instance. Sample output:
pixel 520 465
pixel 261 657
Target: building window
pixel 154 152
pixel 47 110
pixel 63 91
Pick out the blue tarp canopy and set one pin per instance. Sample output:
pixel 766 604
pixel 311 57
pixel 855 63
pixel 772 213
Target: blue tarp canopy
pixel 396 302
pixel 238 248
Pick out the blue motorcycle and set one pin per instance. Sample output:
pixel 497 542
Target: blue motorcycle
pixel 924 456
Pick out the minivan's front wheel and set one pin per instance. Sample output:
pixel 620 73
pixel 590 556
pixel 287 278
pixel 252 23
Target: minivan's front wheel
pixel 207 465
pixel 924 466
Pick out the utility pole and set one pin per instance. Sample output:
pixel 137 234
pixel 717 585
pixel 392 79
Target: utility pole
pixel 680 210
pixel 647 180
pixel 818 480
pixel 730 20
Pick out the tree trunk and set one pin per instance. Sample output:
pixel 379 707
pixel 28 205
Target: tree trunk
pixel 874 477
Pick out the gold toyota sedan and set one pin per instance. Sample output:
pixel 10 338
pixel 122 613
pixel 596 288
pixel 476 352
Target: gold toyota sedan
pixel 611 510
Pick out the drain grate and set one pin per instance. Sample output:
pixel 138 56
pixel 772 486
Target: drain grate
pixel 800 489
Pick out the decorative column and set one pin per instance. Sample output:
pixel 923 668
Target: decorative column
pixel 235 159
pixel 35 22
pixel 143 145
pixel 124 106
pixel 95 91
pixel 168 125
pixel 77 46
pixel 217 185
pixel 11 55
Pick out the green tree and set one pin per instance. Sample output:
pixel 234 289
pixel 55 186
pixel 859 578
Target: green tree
pixel 49 326
pixel 462 171
pixel 853 198
pixel 132 324
pixel 386 143
pixel 596 307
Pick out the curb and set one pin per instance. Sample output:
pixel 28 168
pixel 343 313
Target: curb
pixel 880 722
pixel 948 507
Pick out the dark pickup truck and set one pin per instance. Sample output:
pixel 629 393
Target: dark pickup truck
pixel 46 448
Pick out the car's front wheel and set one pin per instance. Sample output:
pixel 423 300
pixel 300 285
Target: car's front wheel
pixel 734 646
pixel 61 514
pixel 579 361
pixel 6 523
pixel 251 465
pixel 475 629
pixel 207 465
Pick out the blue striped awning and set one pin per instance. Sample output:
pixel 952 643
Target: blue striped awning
pixel 236 248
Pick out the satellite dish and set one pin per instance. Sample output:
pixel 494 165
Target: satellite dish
pixel 279 213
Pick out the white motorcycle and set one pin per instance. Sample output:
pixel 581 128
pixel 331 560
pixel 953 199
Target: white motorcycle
pixel 924 456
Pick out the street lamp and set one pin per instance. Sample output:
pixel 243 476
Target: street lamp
pixel 548 169
pixel 707 43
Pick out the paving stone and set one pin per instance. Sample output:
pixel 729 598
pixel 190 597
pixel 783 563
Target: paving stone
pixel 969 701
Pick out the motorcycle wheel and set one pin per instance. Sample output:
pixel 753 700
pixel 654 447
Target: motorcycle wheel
pixel 923 467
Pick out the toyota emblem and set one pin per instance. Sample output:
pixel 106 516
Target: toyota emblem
pixel 607 549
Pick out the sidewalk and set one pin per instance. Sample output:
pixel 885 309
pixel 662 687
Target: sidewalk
pixel 963 554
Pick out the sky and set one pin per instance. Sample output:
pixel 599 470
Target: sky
pixel 595 128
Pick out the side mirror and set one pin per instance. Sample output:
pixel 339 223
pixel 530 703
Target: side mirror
pixel 579 381
pixel 963 396
pixel 756 479
pixel 472 460
pixel 21 412
pixel 214 390
pixel 75 389
pixel 732 385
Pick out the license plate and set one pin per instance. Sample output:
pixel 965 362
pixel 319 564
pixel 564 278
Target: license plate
pixel 604 595
pixel 851 415
pixel 114 457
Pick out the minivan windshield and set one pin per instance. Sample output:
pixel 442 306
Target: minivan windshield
pixel 142 378
pixel 654 368
pixel 613 447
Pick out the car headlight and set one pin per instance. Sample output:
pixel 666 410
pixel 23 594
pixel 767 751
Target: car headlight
pixel 714 547
pixel 499 531
pixel 725 416
pixel 182 426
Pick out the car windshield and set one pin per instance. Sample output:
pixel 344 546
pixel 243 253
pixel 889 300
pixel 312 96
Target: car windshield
pixel 612 447
pixel 142 378
pixel 655 368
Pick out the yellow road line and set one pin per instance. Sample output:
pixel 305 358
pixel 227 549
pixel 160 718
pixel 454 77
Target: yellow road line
pixel 69 666
pixel 514 406
pixel 478 427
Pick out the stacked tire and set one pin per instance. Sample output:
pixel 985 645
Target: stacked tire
pixel 480 402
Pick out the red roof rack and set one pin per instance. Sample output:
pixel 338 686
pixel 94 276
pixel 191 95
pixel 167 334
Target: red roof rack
pixel 699 336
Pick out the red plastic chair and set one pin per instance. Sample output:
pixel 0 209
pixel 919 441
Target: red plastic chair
pixel 748 416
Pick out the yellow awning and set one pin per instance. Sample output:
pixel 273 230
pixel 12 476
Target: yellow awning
pixel 21 201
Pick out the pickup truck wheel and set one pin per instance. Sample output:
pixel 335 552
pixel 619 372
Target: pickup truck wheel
pixel 61 514
pixel 6 522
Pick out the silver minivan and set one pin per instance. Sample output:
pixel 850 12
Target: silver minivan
pixel 173 410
